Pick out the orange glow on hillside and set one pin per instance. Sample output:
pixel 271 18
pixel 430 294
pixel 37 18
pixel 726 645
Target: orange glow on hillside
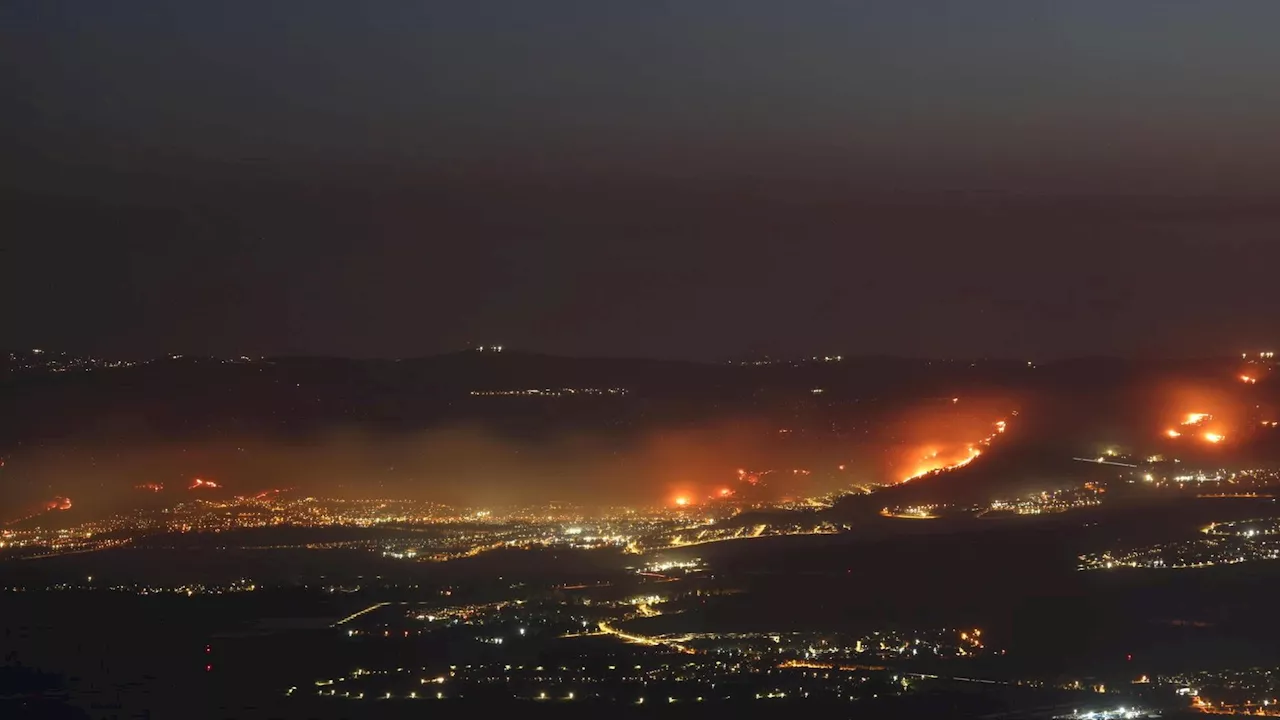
pixel 682 501
pixel 941 457
pixel 934 461
pixel 1208 414
pixel 59 503
pixel 197 483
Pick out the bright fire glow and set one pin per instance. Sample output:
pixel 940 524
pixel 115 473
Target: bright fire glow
pixel 682 501
pixel 933 460
pixel 1248 379
pixel 1208 427
pixel 724 492
pixel 59 503
pixel 202 483
pixel 1209 413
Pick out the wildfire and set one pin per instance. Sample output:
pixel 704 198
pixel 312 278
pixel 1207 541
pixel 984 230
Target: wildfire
pixel 682 501
pixel 197 483
pixel 930 464
pixel 1248 379
pixel 58 503
pixel 1207 428
pixel 725 492
pixel 934 461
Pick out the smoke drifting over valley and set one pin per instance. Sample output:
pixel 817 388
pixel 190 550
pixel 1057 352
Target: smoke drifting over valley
pixel 463 464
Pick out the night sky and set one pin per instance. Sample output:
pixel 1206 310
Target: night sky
pixel 667 179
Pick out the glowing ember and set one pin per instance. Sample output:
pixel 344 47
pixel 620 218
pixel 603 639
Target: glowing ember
pixel 1213 437
pixel 197 483
pixel 1248 380
pixel 724 492
pixel 682 501
pixel 1172 433
pixel 1196 418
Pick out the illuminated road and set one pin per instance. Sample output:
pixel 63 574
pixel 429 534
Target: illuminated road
pixel 748 533
pixel 608 629
pixel 369 609
pixel 1100 461
pixel 886 512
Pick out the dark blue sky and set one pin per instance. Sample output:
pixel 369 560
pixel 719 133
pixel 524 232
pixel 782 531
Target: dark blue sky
pixel 688 179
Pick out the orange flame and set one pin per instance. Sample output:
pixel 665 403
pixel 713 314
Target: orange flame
pixel 58 503
pixel 933 460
